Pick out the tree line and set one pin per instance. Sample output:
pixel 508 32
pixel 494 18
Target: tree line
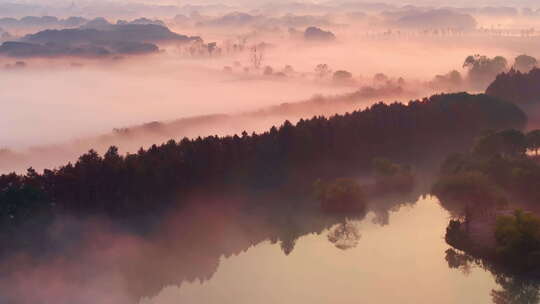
pixel 499 168
pixel 483 70
pixel 285 157
pixel 485 186
pixel 515 86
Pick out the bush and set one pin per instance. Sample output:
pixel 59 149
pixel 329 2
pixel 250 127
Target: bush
pixel 340 195
pixel 392 177
pixel 508 143
pixel 518 239
pixel 474 186
pixel 497 163
pixel 342 76
pixel 268 71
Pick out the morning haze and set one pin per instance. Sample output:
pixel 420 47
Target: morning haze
pixel 156 152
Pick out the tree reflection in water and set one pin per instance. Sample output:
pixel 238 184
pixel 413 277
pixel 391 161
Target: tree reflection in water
pixel 458 260
pixel 513 289
pixel 344 235
pixel 184 245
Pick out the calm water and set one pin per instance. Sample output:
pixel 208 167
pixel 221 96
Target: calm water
pixel 394 257
pixel 236 250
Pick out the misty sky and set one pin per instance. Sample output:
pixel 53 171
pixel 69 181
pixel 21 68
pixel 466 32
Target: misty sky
pixel 517 3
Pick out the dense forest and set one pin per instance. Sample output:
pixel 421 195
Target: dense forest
pixel 288 157
pixel 500 162
pixel 485 190
pixel 515 86
pixel 133 137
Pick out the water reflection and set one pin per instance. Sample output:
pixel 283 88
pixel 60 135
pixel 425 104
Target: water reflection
pixel 458 260
pixel 345 235
pixel 515 290
pixel 400 262
pixel 511 289
pixel 222 249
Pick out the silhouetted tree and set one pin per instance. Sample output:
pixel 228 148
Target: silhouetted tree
pixel 482 70
pixel 517 87
pixel 341 195
pixel 288 157
pixel 268 71
pixel 342 76
pixel 507 143
pixel 322 70
pixel 524 63
pixel 449 81
pixel 256 56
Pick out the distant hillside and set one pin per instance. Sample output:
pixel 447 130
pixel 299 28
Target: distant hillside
pixel 110 39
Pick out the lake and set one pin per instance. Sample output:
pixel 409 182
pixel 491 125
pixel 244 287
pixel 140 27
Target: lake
pixel 227 249
pixel 397 259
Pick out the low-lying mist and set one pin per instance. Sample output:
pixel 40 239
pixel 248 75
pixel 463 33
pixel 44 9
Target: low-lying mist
pixel 96 260
pixel 56 109
pixel 69 102
pixel 225 69
pixel 130 139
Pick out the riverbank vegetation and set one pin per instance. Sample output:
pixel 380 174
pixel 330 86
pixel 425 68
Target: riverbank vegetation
pixel 342 195
pixel 481 189
pixel 288 157
pixel 500 165
pixel 348 195
pixel 518 240
pixel 391 177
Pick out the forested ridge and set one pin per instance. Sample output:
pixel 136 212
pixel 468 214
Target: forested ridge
pixel 288 156
pixel 517 87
